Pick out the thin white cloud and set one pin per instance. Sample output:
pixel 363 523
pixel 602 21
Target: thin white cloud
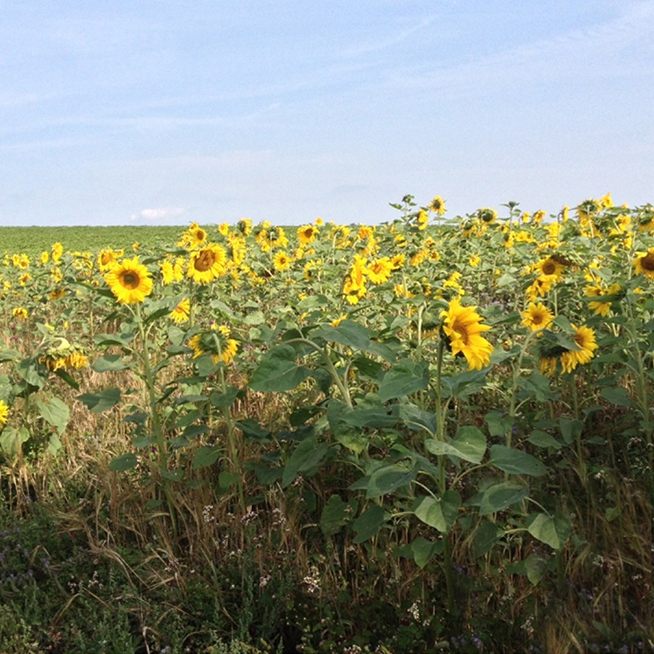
pixel 582 54
pixel 377 45
pixel 161 214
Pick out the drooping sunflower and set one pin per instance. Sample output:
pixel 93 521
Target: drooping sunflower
pixel 463 328
pixel 536 316
pixel 207 264
pixel 644 263
pixel 4 412
pixel 584 337
pixel 181 312
pixel 602 307
pixel 129 281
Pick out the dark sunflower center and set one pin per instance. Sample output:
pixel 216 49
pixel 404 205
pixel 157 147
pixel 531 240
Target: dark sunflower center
pixel 549 268
pixel 647 262
pixel 130 280
pixel 204 261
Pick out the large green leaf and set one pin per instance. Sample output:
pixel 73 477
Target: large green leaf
pixel 55 412
pixel 336 514
pixel 485 537
pixel 516 462
pixel 617 395
pixel 552 530
pixel 108 363
pixel 12 439
pixel 389 478
pixel 404 378
pixel 440 513
pixel 368 523
pixel 305 456
pixel 356 336
pixel 423 550
pixel 278 371
pixel 123 462
pixel 102 401
pixel 501 496
pixel 205 456
pixel 469 444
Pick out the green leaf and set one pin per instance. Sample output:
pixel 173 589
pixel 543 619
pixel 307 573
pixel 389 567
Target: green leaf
pixel 570 429
pixel 485 537
pixel 55 412
pixel 255 318
pixel 469 444
pixel 440 513
pixel 176 474
pixel 224 400
pixel 12 439
pixel 618 396
pixel 54 444
pixel 32 372
pixel 353 440
pixel 109 362
pixel 463 384
pixel 9 355
pixel 356 336
pixel 500 496
pixel 552 530
pixel 305 456
pixel 368 523
pixel 404 378
pixel 416 418
pixel 336 514
pixel 228 479
pixel 498 423
pixel 123 462
pixel 516 462
pixel 205 456
pixel 278 371
pixel 100 402
pixel 423 550
pixel 389 478
pixel 543 439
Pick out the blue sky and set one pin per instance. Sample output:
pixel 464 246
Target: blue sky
pixel 169 111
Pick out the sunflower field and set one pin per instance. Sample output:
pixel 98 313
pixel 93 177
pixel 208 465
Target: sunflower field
pixel 433 434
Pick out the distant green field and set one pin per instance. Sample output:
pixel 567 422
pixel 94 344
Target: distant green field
pixel 34 240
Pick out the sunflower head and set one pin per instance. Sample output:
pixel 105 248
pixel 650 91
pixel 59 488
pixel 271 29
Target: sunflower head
pixel 129 281
pixel 644 264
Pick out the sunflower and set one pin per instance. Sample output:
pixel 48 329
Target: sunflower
pixel 207 264
pixel 129 281
pixel 602 307
pixel 550 267
pixel 281 261
pixel 223 229
pixel 487 215
pixel 584 337
pixel 307 234
pixel 644 263
pixel 379 270
pixel 4 412
pixel 536 316
pixel 20 312
pixel 437 205
pixel 45 257
pixel 462 326
pixel 107 259
pixel 181 312
pixel 57 252
pixel 422 220
pixel 57 293
pixel 474 260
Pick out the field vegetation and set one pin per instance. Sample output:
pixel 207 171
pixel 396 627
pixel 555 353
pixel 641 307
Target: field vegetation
pixel 423 436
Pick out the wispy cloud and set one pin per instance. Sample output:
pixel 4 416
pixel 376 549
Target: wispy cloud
pixel 374 46
pixel 161 214
pixel 573 55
